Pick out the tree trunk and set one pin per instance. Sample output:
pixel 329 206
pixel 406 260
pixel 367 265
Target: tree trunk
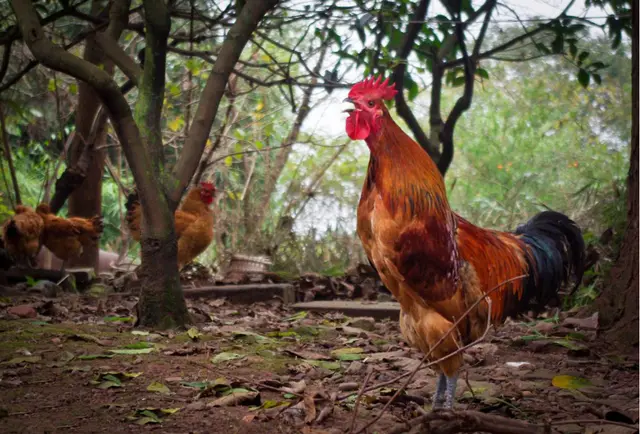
pixel 161 303
pixel 618 304
pixel 86 199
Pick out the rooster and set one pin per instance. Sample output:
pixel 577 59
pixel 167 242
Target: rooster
pixel 67 237
pixel 194 221
pixel 22 233
pixel 436 263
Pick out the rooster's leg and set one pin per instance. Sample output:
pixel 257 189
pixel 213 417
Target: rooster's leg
pixel 438 396
pixel 450 391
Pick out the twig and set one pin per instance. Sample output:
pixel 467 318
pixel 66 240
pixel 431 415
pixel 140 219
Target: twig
pixel 7 153
pixel 278 389
pixel 357 404
pixel 485 297
pixel 466 380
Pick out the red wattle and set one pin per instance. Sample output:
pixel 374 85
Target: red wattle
pixel 357 127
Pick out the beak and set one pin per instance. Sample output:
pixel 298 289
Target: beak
pixel 351 107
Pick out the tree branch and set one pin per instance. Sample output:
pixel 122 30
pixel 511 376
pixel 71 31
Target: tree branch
pixel 402 108
pixel 119 57
pixel 7 154
pixel 6 55
pixel 148 109
pixel 463 103
pixel 58 59
pixel 238 36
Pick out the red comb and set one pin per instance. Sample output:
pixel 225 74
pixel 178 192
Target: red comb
pixel 374 88
pixel 207 185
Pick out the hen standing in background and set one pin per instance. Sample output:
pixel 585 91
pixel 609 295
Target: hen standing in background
pixel 436 263
pixel 66 237
pixel 193 220
pixel 22 233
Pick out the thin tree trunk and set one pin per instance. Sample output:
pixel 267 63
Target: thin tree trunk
pixel 618 304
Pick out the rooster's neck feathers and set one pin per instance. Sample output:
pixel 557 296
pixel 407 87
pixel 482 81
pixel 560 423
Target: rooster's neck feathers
pixel 403 172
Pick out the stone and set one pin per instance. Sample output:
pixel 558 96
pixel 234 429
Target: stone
pixel 364 323
pixel 46 288
pixel 23 311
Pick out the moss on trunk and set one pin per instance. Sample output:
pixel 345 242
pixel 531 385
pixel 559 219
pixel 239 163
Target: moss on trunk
pixel 161 304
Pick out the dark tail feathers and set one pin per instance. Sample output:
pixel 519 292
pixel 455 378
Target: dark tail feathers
pixel 557 254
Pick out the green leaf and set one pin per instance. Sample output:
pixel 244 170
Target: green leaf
pixel 582 57
pixel 226 357
pixel 597 78
pixel 158 388
pixel 348 354
pixel 481 72
pixel 573 50
pixel 139 345
pixel 194 334
pixel 583 77
pixel 95 356
pixel 140 333
pixel 114 318
pixel 569 382
pixel 297 316
pixel 20 360
pixel 458 81
pixel 195 384
pixel 250 337
pixel 228 161
pixel 132 351
pixel 568 344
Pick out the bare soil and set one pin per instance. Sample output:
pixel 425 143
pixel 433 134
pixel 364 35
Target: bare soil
pixel 263 369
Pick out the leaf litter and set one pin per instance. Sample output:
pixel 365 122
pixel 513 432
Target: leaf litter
pixel 267 367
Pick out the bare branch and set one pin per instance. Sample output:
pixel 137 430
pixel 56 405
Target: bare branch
pixel 119 57
pixel 6 55
pixel 7 154
pixel 464 102
pixel 232 47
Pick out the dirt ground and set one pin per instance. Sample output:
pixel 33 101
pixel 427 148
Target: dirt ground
pixel 76 364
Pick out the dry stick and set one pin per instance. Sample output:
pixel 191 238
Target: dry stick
pixel 357 405
pixel 7 153
pixel 485 297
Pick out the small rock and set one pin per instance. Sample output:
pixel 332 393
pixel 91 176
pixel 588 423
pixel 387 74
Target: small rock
pixel 196 406
pixel 544 327
pixel 355 368
pixel 46 288
pixel 23 311
pixel 345 387
pixel 590 323
pixel 364 323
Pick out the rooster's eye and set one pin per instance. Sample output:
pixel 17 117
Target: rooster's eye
pixel 371 103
